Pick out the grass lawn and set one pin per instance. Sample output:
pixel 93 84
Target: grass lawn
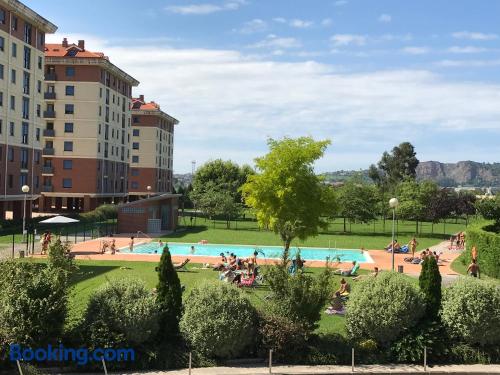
pixel 369 236
pixel 92 274
pixel 460 267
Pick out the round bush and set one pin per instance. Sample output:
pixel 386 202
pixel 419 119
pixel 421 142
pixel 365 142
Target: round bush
pixel 218 320
pixel 471 311
pixel 382 308
pixel 121 312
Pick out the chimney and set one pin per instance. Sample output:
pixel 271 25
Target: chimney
pixel 81 45
pixel 65 43
pixel 141 98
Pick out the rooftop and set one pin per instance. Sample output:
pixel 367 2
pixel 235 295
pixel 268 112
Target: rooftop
pixel 71 50
pixel 139 104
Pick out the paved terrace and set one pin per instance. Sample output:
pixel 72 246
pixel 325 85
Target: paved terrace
pixel 89 250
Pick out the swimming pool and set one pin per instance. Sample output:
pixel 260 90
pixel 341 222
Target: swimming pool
pixel 214 250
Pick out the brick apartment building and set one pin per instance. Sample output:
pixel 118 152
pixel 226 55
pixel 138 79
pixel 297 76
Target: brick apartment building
pixel 22 43
pixel 87 132
pixel 152 146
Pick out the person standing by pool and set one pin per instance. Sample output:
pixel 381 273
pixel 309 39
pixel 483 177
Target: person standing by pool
pixel 113 247
pixel 131 244
pixel 473 269
pixel 413 246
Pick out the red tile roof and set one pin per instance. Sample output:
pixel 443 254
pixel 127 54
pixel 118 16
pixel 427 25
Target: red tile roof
pixel 72 50
pixel 138 103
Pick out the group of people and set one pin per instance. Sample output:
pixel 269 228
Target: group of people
pixel 457 241
pixel 108 245
pixel 45 240
pixel 395 247
pixel 235 269
pixel 423 255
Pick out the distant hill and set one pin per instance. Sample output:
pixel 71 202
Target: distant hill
pixel 463 173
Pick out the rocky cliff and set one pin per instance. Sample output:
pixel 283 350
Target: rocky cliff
pixel 465 173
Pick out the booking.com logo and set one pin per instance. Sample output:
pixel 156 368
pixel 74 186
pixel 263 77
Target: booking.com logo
pixel 81 356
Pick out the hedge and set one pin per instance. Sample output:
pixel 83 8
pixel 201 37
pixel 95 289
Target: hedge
pixel 487 243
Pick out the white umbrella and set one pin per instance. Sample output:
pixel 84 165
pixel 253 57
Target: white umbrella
pixel 59 220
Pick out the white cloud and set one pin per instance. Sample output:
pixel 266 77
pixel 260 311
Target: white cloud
pixel 340 3
pixel 468 63
pixel 273 41
pixel 279 19
pixel 467 49
pixel 326 22
pixel 385 18
pixel 412 50
pixel 254 26
pixel 347 39
pixel 207 8
pixel 228 104
pixel 473 35
pixel 300 24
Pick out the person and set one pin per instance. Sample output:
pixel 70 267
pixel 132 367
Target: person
pixel 373 274
pixel 344 289
pixel 251 262
pixel 113 247
pixel 160 244
pixel 192 250
pixel 131 244
pixel 105 245
pixel 349 272
pixel 45 243
pixel 413 246
pixel 473 269
pixel 222 263
pixel 474 253
pixel 393 245
pixel 337 305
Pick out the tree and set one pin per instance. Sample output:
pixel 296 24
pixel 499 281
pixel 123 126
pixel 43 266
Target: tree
pixel 393 168
pixel 169 297
pixel 490 208
pixel 357 201
pixel 430 285
pixel 286 195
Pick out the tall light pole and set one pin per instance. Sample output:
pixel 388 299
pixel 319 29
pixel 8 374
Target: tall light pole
pixel 25 189
pixel 393 203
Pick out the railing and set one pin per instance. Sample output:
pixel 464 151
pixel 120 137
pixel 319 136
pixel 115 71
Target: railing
pixel 48 151
pixel 47 188
pixel 49 114
pixel 49 95
pixel 49 133
pixel 47 170
pixel 50 76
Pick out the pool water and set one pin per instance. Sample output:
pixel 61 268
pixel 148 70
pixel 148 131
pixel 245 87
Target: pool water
pixel 242 251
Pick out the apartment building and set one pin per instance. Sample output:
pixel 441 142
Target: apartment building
pixel 87 130
pixel 152 147
pixel 22 43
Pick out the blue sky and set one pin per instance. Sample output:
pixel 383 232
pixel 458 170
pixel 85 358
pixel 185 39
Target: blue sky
pixel 365 74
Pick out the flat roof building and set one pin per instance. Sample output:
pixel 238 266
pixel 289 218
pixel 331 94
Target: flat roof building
pixel 22 45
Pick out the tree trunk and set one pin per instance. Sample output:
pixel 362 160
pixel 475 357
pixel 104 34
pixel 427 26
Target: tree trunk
pixel 288 241
pixel 344 225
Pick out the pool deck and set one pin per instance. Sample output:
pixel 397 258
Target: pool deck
pixel 89 250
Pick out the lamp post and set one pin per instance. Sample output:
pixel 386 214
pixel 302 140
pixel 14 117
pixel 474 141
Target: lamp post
pixel 393 203
pixel 148 188
pixel 25 189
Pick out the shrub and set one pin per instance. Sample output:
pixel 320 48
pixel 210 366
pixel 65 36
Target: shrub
pixel 285 337
pixel 218 320
pixel 58 256
pixel 488 246
pixel 169 297
pixel 383 308
pixel 33 303
pixel 471 311
pixel 430 285
pixel 103 212
pixel 120 313
pixel 300 297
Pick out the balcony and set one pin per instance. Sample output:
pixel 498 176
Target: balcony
pixel 47 188
pixel 50 76
pixel 48 151
pixel 49 114
pixel 47 170
pixel 49 133
pixel 49 95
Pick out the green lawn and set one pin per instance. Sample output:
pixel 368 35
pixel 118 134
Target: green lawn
pixel 92 274
pixel 459 266
pixel 369 236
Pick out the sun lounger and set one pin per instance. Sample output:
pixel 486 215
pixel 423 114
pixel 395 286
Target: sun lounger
pixel 182 266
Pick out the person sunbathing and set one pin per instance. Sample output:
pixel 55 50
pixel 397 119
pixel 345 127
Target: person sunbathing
pixel 394 244
pixel 222 263
pixel 373 274
pixel 350 272
pixel 337 306
pixel 344 289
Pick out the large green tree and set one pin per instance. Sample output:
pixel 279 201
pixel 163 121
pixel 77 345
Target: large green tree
pixel 414 199
pixel 286 194
pixel 490 208
pixel 357 201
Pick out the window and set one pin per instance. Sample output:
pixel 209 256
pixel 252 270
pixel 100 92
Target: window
pixel 2 16
pixel 24 159
pixel 1 99
pixel 38 110
pixel 136 132
pixel 70 71
pixel 69 109
pixel 67 183
pixel 14 49
pixel 11 181
pixel 134 172
pixel 1 129
pixel 14 23
pixel 70 90
pixel 68 127
pixel 40 62
pixel 13 76
pixel 135 145
pixel 11 129
pixel 1 71
pixel 26 83
pixel 37 134
pixel 27 33
pixel 135 159
pixel 24 133
pixel 39 87
pixel 135 119
pixel 26 108
pixel 10 154
pixel 2 43
pixel 27 57
pixel 68 146
pixel 67 164
pixel 135 185
pixel 12 102
pixel 99 129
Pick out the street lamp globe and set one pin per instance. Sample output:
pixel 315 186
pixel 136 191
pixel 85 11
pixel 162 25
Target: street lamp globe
pixel 393 202
pixel 25 189
pixel 148 188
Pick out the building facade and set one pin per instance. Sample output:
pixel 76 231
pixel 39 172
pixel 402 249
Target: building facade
pixel 152 147
pixel 87 133
pixel 22 45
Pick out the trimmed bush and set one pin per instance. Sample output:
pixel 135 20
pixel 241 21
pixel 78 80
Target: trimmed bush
pixel 430 285
pixel 33 303
pixel 488 248
pixel 384 307
pixel 219 321
pixel 471 311
pixel 120 313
